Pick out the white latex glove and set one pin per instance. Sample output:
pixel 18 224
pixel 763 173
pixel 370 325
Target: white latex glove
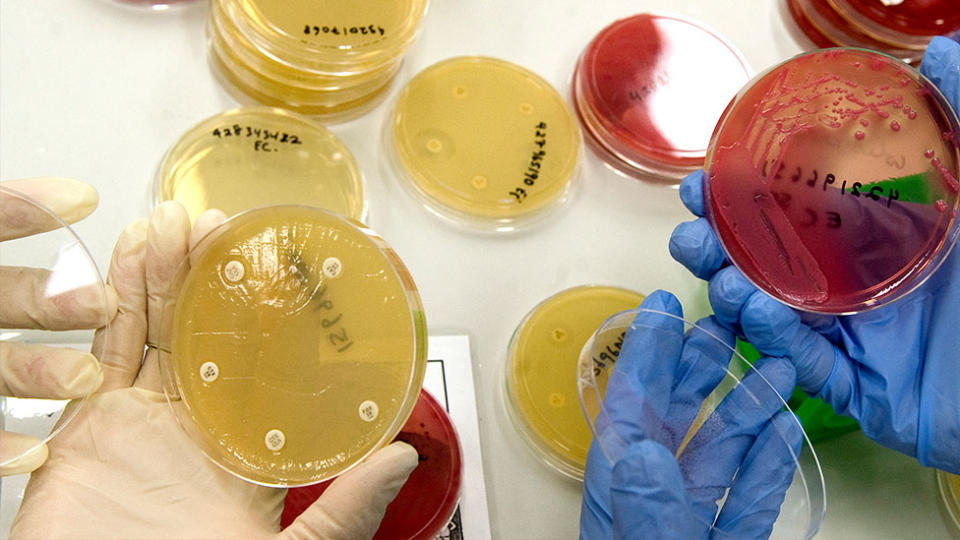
pixel 35 371
pixel 125 469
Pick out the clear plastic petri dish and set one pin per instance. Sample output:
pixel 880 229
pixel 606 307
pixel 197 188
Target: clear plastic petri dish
pixel 429 497
pixel 260 156
pixel 832 180
pixel 47 267
pixel 293 345
pixel 325 58
pixel 825 27
pixel 484 143
pixel 949 486
pixel 638 91
pixel 727 424
pixel 539 393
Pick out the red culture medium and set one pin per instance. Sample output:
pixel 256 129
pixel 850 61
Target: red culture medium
pixel 832 180
pixel 429 497
pixel 915 17
pixel 649 90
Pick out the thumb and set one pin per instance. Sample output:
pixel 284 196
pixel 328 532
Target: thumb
pixel 648 496
pixel 354 504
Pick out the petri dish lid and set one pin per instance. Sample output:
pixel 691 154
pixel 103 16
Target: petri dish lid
pixel 327 36
pixel 36 239
pixel 832 180
pixel 259 156
pixel 539 395
pixel 429 497
pixel 484 143
pixel 293 345
pixel 638 89
pixel 709 416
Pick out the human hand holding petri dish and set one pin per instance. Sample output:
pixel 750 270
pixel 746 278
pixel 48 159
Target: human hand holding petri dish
pixel 48 282
pixel 893 368
pixel 124 468
pixel 690 441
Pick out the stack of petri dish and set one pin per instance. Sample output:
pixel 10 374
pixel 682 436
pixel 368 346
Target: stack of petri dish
pixel 259 156
pixel 324 58
pixel 832 180
pixel 292 346
pixel 649 89
pixel 484 143
pixel 428 499
pixel 540 392
pixel 900 29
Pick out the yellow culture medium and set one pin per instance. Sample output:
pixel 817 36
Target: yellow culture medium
pixel 484 141
pixel 252 157
pixel 294 345
pixel 318 57
pixel 541 372
pixel 950 498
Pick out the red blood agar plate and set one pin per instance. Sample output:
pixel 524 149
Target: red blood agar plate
pixel 429 497
pixel 832 180
pixel 903 23
pixel 639 92
pixel 821 23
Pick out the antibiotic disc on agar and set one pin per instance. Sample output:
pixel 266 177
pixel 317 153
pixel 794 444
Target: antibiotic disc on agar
pixel 539 390
pixel 293 345
pixel 260 156
pixel 66 275
pixel 685 387
pixel 429 497
pixel 639 90
pixel 832 180
pixel 484 142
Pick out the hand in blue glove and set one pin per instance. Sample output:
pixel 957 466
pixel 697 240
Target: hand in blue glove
pixel 895 369
pixel 748 445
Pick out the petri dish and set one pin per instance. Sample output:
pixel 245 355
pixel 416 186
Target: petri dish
pixel 907 24
pixel 428 499
pixel 638 91
pixel 324 58
pixel 714 413
pixel 293 345
pixel 41 253
pixel 260 156
pixel 949 485
pixel 825 27
pixel 484 143
pixel 832 180
pixel 539 393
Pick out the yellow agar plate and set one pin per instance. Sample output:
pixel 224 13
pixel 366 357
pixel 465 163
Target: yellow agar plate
pixel 253 157
pixel 541 384
pixel 481 138
pixel 329 34
pixel 294 345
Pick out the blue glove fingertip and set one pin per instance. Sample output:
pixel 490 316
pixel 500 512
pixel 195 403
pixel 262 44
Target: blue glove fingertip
pixel 694 245
pixel 728 291
pixel 664 301
pixel 769 325
pixel 941 64
pixel 691 192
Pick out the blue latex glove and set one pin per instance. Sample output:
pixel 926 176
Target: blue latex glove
pixel 895 369
pixel 663 377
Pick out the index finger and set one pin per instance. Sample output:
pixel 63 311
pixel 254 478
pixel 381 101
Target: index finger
pixel 36 205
